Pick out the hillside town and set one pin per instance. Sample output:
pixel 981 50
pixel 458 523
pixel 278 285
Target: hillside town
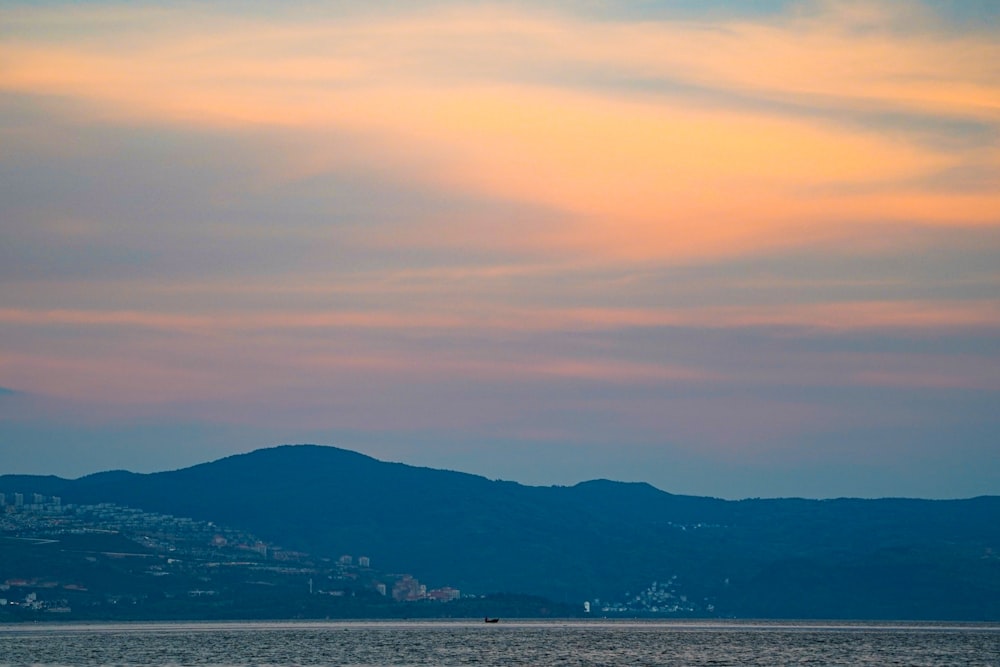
pixel 107 556
pixel 104 559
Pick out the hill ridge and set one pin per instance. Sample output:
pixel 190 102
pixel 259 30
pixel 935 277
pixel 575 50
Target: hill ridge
pixel 596 540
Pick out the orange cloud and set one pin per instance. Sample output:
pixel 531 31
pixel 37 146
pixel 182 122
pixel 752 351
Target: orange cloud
pixel 655 172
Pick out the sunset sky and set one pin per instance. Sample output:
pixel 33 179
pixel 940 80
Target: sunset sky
pixel 727 248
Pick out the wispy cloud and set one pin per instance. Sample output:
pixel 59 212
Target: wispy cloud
pixel 514 105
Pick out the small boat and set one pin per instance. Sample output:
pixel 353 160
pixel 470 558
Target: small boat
pixel 487 619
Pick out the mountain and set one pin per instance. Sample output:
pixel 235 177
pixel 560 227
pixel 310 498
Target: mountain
pixel 603 541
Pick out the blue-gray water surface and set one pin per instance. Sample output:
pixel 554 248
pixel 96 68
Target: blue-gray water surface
pixel 541 643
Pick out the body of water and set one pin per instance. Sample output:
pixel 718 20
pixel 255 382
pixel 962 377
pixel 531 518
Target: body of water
pixel 536 643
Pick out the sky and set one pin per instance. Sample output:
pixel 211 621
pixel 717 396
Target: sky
pixel 730 249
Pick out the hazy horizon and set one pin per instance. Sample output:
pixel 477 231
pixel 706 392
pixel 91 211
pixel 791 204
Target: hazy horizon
pixel 498 479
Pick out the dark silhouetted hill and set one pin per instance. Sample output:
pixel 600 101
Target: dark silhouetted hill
pixel 788 558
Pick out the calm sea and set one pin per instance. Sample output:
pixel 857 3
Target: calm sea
pixel 539 643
